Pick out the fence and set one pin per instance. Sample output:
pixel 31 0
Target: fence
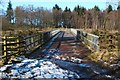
pixel 87 38
pixel 13 46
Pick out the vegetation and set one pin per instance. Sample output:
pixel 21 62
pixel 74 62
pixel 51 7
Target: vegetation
pixel 80 17
pixel 28 20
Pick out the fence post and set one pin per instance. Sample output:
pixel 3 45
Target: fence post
pixel 5 48
pixel 18 45
pixel 25 44
pixel 34 39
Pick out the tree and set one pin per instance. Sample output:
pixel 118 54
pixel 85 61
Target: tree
pixel 74 19
pixel 66 17
pixel 96 8
pixel 10 12
pixel 109 9
pixel 57 7
pixel 88 19
pixel 96 17
pixel 67 9
pixel 39 16
pixel 118 7
pixel 20 15
pixel 57 15
pixel 75 9
pixel 80 20
pixel 80 10
pixel 47 18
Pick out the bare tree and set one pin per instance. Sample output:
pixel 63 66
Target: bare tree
pixel 20 15
pixel 57 15
pixel 47 18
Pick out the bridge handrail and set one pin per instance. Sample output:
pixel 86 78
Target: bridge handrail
pixel 91 40
pixel 12 46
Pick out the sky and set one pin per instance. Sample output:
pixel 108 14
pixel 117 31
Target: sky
pixel 61 3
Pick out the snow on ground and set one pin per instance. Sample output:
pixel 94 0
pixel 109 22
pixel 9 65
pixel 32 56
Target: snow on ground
pixel 72 59
pixel 32 68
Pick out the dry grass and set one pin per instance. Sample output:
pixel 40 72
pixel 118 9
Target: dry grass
pixel 1 62
pixel 105 57
pixel 25 31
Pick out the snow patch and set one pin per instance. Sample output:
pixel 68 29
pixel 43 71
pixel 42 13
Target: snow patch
pixel 32 68
pixel 4 67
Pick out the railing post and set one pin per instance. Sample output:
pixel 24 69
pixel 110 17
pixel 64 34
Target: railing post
pixel 25 44
pixel 34 39
pixel 5 48
pixel 18 45
pixel 88 39
pixel 41 38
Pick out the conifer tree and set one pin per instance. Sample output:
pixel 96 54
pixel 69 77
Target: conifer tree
pixel 9 12
pixel 109 9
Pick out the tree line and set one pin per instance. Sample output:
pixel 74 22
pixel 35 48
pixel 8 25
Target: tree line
pixel 80 17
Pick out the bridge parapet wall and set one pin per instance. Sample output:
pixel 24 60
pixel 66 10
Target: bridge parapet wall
pixel 91 40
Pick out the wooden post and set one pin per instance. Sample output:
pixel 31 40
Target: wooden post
pixel 31 43
pixel 42 38
pixel 34 39
pixel 25 45
pixel 5 47
pixel 18 45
